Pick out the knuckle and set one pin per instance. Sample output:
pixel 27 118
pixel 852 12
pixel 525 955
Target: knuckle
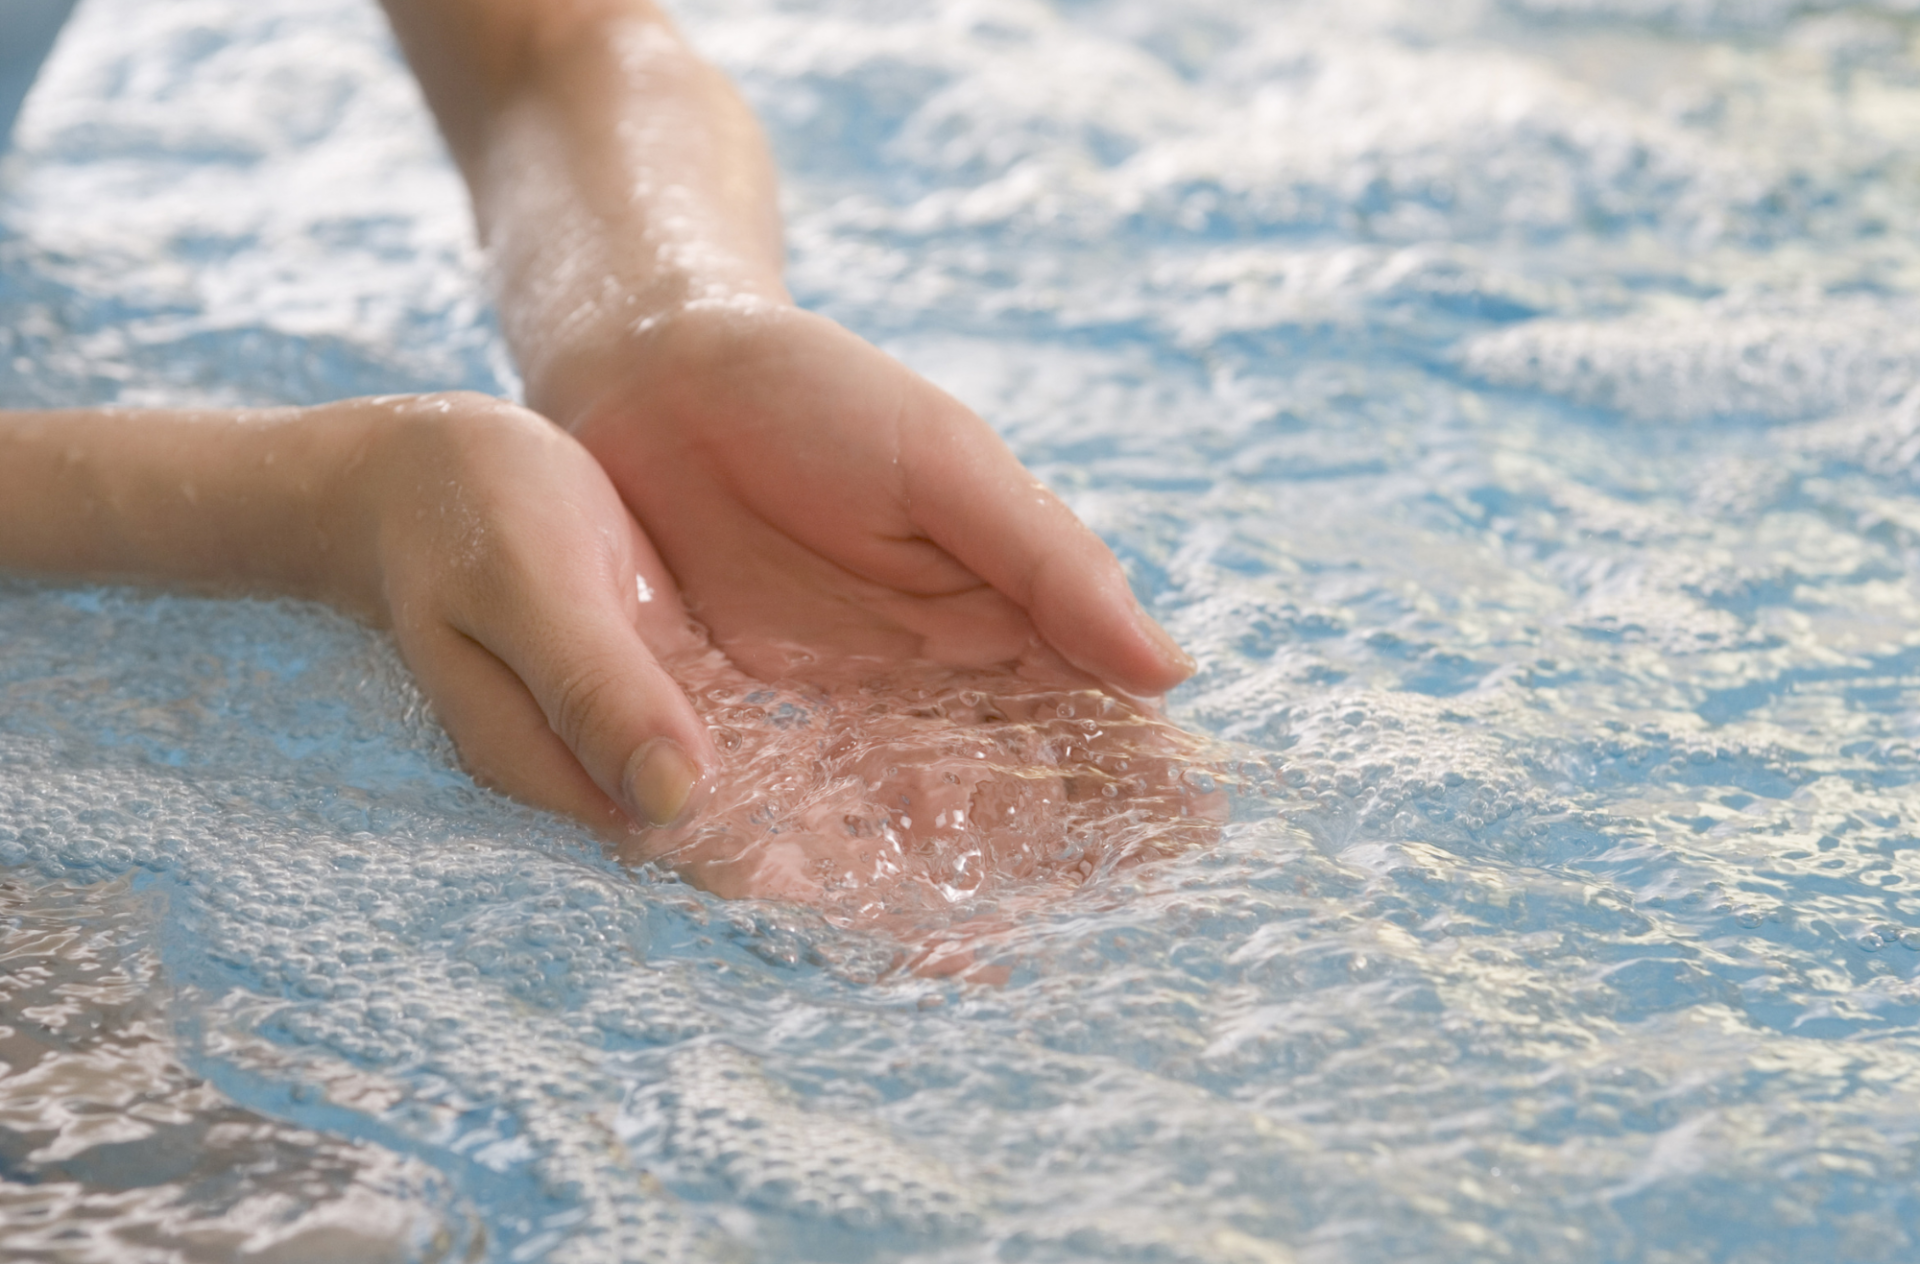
pixel 580 703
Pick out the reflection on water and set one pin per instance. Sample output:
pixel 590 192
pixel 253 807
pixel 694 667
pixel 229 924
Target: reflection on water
pixel 111 1150
pixel 1511 402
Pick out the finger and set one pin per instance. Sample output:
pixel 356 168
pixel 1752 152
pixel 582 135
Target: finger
pixel 974 499
pixel 502 735
pixel 572 637
pixel 617 710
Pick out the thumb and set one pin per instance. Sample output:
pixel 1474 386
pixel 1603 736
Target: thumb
pixel 606 697
pixel 569 711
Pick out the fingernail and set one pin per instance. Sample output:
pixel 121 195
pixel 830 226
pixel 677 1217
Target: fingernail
pixel 1164 642
pixel 660 778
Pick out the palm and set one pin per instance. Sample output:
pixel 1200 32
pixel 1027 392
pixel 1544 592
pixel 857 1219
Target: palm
pixel 799 484
pixel 831 516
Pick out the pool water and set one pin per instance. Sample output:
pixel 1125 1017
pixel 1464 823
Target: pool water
pixel 1514 404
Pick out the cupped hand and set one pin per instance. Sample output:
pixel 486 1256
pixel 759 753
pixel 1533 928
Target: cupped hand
pixel 528 603
pixel 816 500
pixel 891 791
pixel 934 803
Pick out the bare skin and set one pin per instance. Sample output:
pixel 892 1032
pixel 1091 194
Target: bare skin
pixel 804 489
pixel 520 592
pixel 489 541
pixel 828 514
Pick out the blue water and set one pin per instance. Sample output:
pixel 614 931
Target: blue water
pixel 1515 406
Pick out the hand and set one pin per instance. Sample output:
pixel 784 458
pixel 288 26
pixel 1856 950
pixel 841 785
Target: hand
pixel 825 512
pixel 545 631
pixel 526 600
pixel 913 788
pixel 818 502
pixel 932 804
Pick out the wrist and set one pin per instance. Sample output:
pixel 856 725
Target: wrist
pixel 705 335
pixel 619 183
pixel 338 444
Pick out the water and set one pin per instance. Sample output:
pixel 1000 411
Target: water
pixel 1512 404
pixel 927 799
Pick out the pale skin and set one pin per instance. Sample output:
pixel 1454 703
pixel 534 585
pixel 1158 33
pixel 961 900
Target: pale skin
pixel 511 575
pixel 803 488
pixel 489 542
pixel 691 434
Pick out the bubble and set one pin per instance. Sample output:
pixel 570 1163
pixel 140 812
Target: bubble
pixel 962 787
pixel 728 1116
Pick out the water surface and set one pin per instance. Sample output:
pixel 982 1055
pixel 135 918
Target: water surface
pixel 1514 407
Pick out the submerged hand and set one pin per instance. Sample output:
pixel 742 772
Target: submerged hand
pixel 811 494
pixel 907 797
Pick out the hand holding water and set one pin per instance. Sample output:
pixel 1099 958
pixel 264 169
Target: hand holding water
pixel 826 511
pixel 803 487
pixel 530 606
pixel 810 493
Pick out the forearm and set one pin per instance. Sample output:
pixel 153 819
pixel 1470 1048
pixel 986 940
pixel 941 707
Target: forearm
pixel 616 177
pixel 215 498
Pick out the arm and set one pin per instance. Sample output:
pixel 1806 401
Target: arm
pixel 207 499
pixel 808 492
pixel 490 543
pixel 615 176
pixel 500 556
